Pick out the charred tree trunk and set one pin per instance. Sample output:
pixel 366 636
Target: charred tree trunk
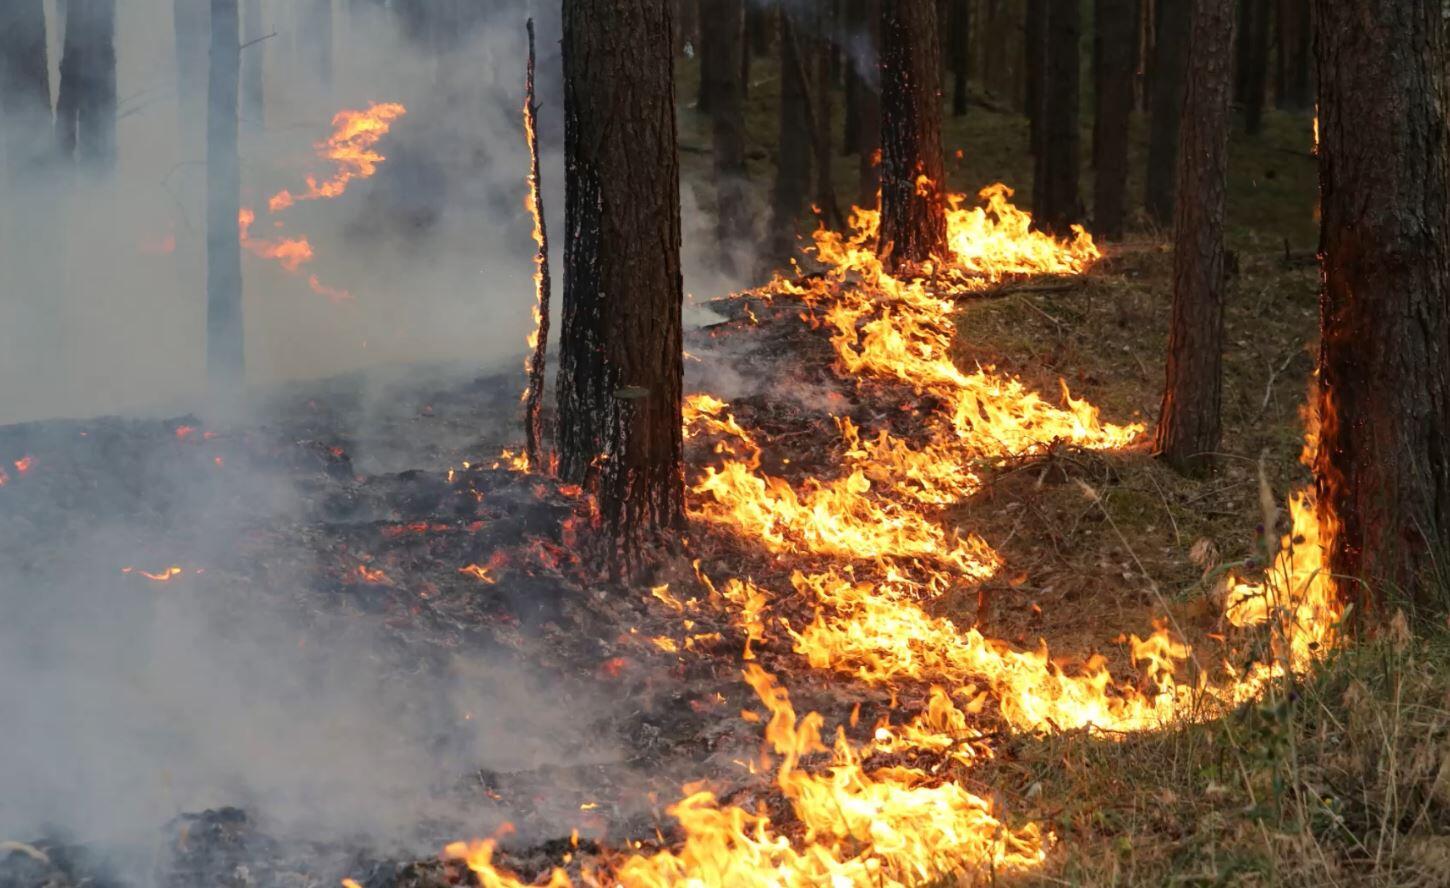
pixel 621 350
pixel 1189 423
pixel 538 359
pixel 86 104
pixel 960 42
pixel 25 124
pixel 1294 89
pixel 868 107
pixel 1034 51
pixel 913 206
pixel 1055 183
pixel 1383 464
pixel 224 356
pixel 793 156
pixel 727 130
pixel 192 24
pixel 316 28
pixel 1170 55
pixel 253 65
pixel 1253 62
pixel 1116 22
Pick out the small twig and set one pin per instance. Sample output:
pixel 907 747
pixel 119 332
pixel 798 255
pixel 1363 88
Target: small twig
pixel 1273 375
pixel 256 40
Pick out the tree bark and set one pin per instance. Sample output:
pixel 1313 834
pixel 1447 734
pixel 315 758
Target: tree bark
pixel 727 130
pixel 1034 51
pixel 1383 462
pixel 1294 90
pixel 224 356
pixel 913 206
pixel 316 28
pixel 793 155
pixel 1253 62
pixel 960 41
pixel 25 119
pixel 1189 423
pixel 868 107
pixel 621 351
pixel 1055 183
pixel 86 104
pixel 1116 22
pixel 1170 54
pixel 253 65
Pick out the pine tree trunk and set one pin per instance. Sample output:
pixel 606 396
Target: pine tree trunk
pixel 1034 51
pixel 621 352
pixel 1170 54
pixel 1116 22
pixel 793 156
pixel 1294 87
pixel 728 131
pixel 713 59
pixel 224 357
pixel 868 109
pixel 823 51
pixel 913 207
pixel 86 104
pixel 1253 56
pixel 316 28
pixel 253 65
pixel 1189 423
pixel 1383 464
pixel 960 41
pixel 1055 184
pixel 25 124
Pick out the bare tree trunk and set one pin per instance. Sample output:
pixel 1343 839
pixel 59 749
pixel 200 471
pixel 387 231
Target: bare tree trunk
pixel 1253 61
pixel 25 124
pixel 1170 54
pixel 1116 22
pixel 316 28
pixel 253 65
pixel 1055 183
pixel 913 206
pixel 621 351
pixel 714 57
pixel 1383 464
pixel 822 50
pixel 86 104
pixel 868 108
pixel 793 157
pixel 1294 90
pixel 960 42
pixel 224 356
pixel 1189 423
pixel 728 131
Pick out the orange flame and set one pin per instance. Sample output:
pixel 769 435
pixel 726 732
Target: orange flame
pixel 350 147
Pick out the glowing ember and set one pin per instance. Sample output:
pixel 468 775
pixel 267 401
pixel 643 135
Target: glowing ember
pixel 478 572
pixel 355 133
pixel 369 575
pixel 163 576
pixel 24 464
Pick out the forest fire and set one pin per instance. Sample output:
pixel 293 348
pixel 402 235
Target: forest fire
pixel 350 147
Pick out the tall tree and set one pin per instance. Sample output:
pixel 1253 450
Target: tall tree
pixel 822 50
pixel 1116 23
pixel 913 205
pixel 960 41
pixel 1189 423
pixel 316 30
pixel 25 124
pixel 224 358
pixel 85 108
pixel 727 128
pixel 1055 196
pixel 716 52
pixel 1034 52
pixel 1383 467
pixel 191 24
pixel 621 357
pixel 253 65
pixel 1293 87
pixel 1252 78
pixel 865 57
pixel 1170 55
pixel 793 153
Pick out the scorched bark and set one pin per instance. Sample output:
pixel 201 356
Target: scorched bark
pixel 913 207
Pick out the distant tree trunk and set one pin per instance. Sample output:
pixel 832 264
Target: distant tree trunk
pixel 25 124
pixel 913 206
pixel 1253 62
pixel 868 107
pixel 621 351
pixel 1294 89
pixel 316 28
pixel 1055 183
pixel 823 52
pixel 1116 22
pixel 192 25
pixel 1170 54
pixel 728 130
pixel 1034 47
pixel 224 357
pixel 793 157
pixel 253 65
pixel 86 105
pixel 1383 464
pixel 1189 423
pixel 712 55
pixel 960 42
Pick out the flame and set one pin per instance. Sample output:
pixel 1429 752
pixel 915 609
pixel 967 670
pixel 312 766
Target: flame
pixel 290 253
pixel 370 575
pixel 24 464
pixel 163 576
pixel 355 133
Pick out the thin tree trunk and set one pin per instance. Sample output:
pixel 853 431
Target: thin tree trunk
pixel 960 41
pixel 621 350
pixel 538 359
pixel 316 28
pixel 868 109
pixel 25 119
pixel 253 65
pixel 224 356
pixel 1170 54
pixel 1253 58
pixel 1294 87
pixel 86 105
pixel 823 51
pixel 712 55
pixel 913 206
pixel 1117 34
pixel 728 134
pixel 1055 186
pixel 1383 464
pixel 1189 423
pixel 793 157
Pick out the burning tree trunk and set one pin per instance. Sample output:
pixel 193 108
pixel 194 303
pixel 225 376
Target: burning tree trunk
pixel 1293 89
pixel 1253 62
pixel 621 355
pixel 24 87
pixel 793 157
pixel 316 30
pixel 1116 22
pixel 253 65
pixel 913 207
pixel 960 43
pixel 192 25
pixel 534 395
pixel 1383 467
pixel 1055 183
pixel 1170 54
pixel 1188 425
pixel 86 105
pixel 223 203
pixel 727 130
